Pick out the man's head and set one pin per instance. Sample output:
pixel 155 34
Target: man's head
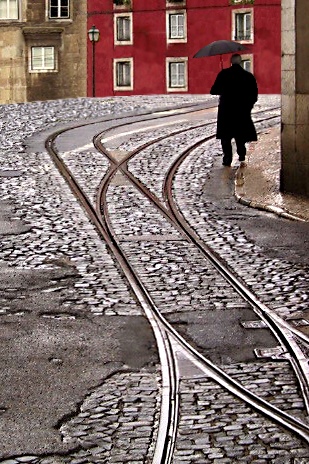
pixel 236 59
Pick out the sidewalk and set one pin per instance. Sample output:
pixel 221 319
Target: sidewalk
pixel 257 185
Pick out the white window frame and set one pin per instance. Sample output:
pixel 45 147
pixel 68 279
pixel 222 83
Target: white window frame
pixel 57 18
pixel 8 18
pixel 243 11
pixel 177 88
pixel 123 87
pixel 176 39
pixel 247 58
pixel 43 69
pixel 117 16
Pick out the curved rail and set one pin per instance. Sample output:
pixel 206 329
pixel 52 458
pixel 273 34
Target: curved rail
pixel 164 332
pixel 278 326
pixel 169 406
pixel 281 329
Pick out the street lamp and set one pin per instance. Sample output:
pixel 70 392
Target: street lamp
pixel 94 35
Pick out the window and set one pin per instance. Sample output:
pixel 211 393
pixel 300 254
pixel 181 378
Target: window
pixel 243 25
pixel 177 74
pixel 9 9
pixel 123 29
pixel 59 9
pixel 176 27
pixel 247 62
pixel 123 74
pixel 42 59
pixel 122 3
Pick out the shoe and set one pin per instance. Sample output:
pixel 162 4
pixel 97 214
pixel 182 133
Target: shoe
pixel 226 161
pixel 242 164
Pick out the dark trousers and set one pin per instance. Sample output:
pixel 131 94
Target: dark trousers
pixel 228 152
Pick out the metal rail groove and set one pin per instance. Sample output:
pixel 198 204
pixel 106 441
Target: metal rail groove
pixel 171 212
pixel 276 324
pixel 281 329
pixel 170 382
pixel 162 329
pixel 162 453
pixel 260 405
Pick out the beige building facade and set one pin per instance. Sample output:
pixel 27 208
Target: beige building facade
pixel 42 49
pixel 295 97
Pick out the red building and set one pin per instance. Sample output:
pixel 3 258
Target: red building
pixel 147 46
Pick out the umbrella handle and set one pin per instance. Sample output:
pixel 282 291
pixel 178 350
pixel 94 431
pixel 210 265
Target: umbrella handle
pixel 221 61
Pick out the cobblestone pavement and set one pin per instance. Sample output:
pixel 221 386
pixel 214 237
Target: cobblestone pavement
pixel 208 431
pixel 115 417
pixel 281 285
pixel 57 275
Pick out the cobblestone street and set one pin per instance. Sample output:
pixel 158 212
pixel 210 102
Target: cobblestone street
pixel 80 368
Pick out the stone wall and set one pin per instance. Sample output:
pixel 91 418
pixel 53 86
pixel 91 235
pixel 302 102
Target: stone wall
pixel 295 97
pixel 13 71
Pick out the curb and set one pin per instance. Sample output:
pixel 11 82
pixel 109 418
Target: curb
pixel 270 208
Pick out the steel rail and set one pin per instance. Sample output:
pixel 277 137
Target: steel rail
pixel 167 211
pixel 170 382
pixel 279 326
pixel 122 165
pixel 176 215
pixel 279 416
pixel 153 114
pixel 257 403
pixel 164 450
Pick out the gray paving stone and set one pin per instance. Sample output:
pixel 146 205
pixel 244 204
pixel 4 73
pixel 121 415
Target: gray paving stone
pixel 281 284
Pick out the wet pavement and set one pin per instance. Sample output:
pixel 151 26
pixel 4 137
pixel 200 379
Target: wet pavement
pixel 86 383
pixel 258 184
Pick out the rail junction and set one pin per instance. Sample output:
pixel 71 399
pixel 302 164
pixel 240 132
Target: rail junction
pixel 226 377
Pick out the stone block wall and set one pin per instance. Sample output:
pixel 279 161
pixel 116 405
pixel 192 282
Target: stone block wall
pixel 295 97
pixel 13 72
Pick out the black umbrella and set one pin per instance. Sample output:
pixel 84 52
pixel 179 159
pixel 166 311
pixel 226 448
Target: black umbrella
pixel 219 47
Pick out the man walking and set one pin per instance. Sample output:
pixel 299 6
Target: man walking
pixel 238 92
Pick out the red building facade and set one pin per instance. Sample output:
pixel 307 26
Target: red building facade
pixel 147 46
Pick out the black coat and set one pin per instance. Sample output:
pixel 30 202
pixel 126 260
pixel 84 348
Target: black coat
pixel 238 92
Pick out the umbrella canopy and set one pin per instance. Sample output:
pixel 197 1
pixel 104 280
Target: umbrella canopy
pixel 219 47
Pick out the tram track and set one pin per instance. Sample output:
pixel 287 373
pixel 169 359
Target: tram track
pixel 277 324
pixel 167 337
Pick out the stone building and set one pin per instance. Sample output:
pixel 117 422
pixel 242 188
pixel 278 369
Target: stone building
pixel 42 49
pixel 295 97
